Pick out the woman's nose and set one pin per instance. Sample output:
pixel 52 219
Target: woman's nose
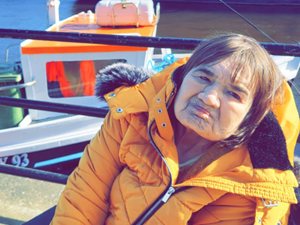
pixel 210 97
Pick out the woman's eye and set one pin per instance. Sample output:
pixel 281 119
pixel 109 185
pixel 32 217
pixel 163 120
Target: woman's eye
pixel 204 78
pixel 236 96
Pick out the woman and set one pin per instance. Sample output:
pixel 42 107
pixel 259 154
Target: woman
pixel 198 143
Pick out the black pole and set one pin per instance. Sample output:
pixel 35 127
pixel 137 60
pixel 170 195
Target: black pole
pixel 157 42
pixel 124 40
pixel 53 107
pixel 34 174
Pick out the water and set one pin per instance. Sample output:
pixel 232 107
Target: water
pixel 177 20
pixel 31 15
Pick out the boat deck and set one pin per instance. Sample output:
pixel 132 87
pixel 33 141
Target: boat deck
pixel 75 24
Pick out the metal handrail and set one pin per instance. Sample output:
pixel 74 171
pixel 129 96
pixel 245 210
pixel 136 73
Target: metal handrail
pixel 7 51
pixel 123 40
pixel 33 173
pixel 53 107
pixel 18 86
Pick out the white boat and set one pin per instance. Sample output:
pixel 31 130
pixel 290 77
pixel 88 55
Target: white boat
pixel 63 72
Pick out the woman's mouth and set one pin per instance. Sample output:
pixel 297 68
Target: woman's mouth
pixel 201 111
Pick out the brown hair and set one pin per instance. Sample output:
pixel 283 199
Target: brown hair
pixel 249 58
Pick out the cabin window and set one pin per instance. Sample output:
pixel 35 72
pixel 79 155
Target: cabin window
pixel 74 78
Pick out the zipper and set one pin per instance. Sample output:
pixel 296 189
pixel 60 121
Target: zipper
pixel 167 193
pixel 166 197
pixel 172 190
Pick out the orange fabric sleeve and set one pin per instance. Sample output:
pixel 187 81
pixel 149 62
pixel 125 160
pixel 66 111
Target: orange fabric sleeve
pixel 63 82
pixel 51 71
pixel 85 199
pixel 88 77
pixel 55 72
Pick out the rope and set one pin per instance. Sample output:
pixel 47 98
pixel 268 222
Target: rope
pixel 167 61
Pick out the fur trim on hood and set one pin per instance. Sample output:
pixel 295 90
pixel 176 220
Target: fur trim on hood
pixel 117 75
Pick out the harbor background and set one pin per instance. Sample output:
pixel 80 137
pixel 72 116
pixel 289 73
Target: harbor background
pixel 190 20
pixel 22 198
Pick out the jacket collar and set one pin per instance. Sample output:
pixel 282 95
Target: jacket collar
pixel 267 146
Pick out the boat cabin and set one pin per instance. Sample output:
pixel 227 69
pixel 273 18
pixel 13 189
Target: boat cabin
pixel 65 72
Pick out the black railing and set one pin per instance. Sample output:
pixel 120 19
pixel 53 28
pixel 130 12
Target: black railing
pixel 34 174
pixel 53 107
pixel 126 40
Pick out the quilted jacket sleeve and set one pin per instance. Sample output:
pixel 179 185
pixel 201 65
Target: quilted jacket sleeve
pixel 85 199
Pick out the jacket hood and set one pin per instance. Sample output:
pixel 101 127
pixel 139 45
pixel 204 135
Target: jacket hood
pixel 267 146
pixel 118 75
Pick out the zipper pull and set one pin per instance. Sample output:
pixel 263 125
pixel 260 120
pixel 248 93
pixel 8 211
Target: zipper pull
pixel 168 194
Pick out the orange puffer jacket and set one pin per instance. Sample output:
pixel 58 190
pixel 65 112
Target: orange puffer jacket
pixel 133 161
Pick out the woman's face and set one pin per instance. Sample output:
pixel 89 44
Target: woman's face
pixel 210 104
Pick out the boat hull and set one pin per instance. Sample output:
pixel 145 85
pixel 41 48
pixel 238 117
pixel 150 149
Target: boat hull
pixel 46 144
